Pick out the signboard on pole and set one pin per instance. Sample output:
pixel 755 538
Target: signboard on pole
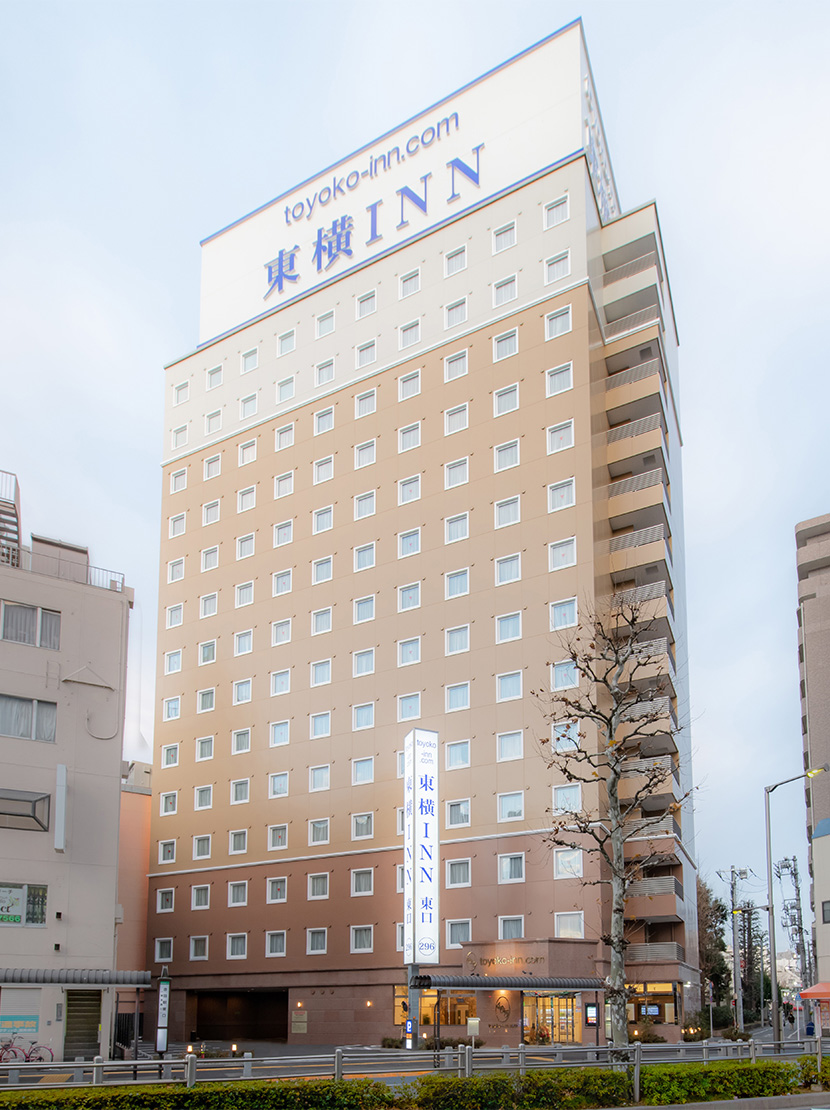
pixel 163 1014
pixel 422 919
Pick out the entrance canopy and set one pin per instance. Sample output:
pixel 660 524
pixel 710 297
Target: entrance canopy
pixel 505 983
pixel 820 990
pixel 92 976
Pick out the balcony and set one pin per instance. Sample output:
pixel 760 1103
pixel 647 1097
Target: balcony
pixel 631 269
pixel 658 900
pixel 667 952
pixel 634 392
pixel 639 501
pixel 665 777
pixel 636 437
pixel 9 518
pixel 642 563
pixel 68 568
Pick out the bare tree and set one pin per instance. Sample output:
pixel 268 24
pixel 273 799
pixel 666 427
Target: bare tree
pixel 612 704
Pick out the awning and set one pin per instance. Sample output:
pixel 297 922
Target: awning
pixel 820 990
pixel 85 976
pixel 505 982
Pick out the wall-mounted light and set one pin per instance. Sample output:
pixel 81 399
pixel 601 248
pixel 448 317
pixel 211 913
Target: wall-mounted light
pixel 299 1005
pixel 369 1003
pixel 189 1049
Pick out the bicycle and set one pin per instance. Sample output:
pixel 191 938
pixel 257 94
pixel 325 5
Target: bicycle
pixel 14 1053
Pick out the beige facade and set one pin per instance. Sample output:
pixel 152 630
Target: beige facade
pixel 63 642
pixel 812 539
pixel 379 501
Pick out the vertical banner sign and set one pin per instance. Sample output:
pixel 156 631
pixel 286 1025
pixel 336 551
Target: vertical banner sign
pixel 422 920
pixel 164 1009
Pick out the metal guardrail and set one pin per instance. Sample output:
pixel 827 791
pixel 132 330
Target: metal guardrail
pixel 637 539
pixel 54 567
pixel 637 482
pixel 629 269
pixel 649 315
pixel 635 428
pixel 633 374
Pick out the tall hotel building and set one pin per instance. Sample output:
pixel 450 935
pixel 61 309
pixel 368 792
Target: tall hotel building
pixel 431 418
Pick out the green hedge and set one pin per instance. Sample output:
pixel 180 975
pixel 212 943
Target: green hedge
pixel 561 1088
pixel 662 1084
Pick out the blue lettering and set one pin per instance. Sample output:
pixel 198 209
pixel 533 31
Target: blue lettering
pixel 427 873
pixel 337 187
pixel 428 142
pixel 327 198
pixel 465 170
pixel 295 215
pixel 353 184
pixel 375 237
pixel 446 122
pixel 420 203
pixel 426 851
pixel 410 149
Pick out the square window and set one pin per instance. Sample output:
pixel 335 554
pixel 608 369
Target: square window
pixel 364 454
pixel 214 377
pixel 456 528
pixel 321 570
pixel 567 799
pixel 246 499
pixel 363 662
pixel 562 554
pixel 409 651
pixel 409 334
pixel 511 806
pixel 364 609
pixel 319 778
pixel 178 437
pixel 324 373
pixel 175 615
pixel 458 696
pixel 508 569
pixel 280 682
pixel 458 933
pixel 285 390
pixel 505 345
pixel 168 803
pixel 284 484
pixel 276 890
pixel 556 212
pixel 247 452
pixel 319 725
pixel 456 473
pixel 247 407
pixel 201 847
pixel 164 949
pixel 237 946
pixel 366 354
pixel 318 831
pixel 506 400
pixel 366 304
pixel 213 423
pixel 363 771
pixel 362 938
pixel 561 495
pixel 167 851
pixel 559 379
pixel 509 686
pixel 507 512
pixel 275 943
pixel 567 863
pixel 243 642
pixel 565 676
pixel 362 882
pixel 457 754
pixel 363 716
pixel 204 748
pixel 245 546
pixel 509 745
pixel 512 867
pixel 281 582
pixel 280 733
pixel 456 313
pixel 364 505
pixel 409 597
pixel 365 404
pixel 176 525
pixel 558 323
pixel 563 614
pixel 558 267
pixel 321 672
pixel 569 925
pixel 210 558
pixel 212 467
pixel 457 583
pixel 203 797
pixel 210 512
pixel 455 366
pixel 458 640
pixel 504 291
pixel 170 755
pixel 173 662
pixel 410 283
pixel 323 421
pixel 409 543
pixel 409 385
pixel 456 419
pixel 283 533
pixel 362 826
pixel 205 701
pixel 323 470
pixel 316 941
pixel 277 837
pixel 286 343
pixel 244 594
pixel 455 261
pixel 238 894
pixel 278 784
pixel 511 928
pixel 320 621
pixel 506 455
pixel 458 813
pixel 409 437
pixel 325 324
pixel 242 691
pixel 249 361
pixel 200 897
pixel 409 489
pixel 284 437
pixel 508 627
pixel 409 707
pixel 322 519
pixel 504 237
pixel 178 481
pixel 364 557
pixel 560 437
pixel 240 741
pixel 318 886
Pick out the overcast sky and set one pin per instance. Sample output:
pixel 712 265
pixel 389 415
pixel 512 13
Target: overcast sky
pixel 131 130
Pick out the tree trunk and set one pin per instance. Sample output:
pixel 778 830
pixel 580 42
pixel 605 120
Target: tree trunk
pixel 617 994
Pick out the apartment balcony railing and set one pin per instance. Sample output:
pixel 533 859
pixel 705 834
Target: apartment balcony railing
pixel 650 423
pixel 657 762
pixel 633 374
pixel 9 510
pixel 637 482
pixel 662 884
pixel 656 708
pixel 667 952
pixel 629 269
pixel 9 555
pixel 637 539
pixel 649 315
pixel 54 567
pixel 652 592
pixel 652 827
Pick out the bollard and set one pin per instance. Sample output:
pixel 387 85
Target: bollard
pixel 752 1050
pixel 14 1077
pixel 468 1061
pixel 190 1069
pixel 98 1070
pixel 78 1073
pixel 505 1055
pixel 638 1052
pixel 167 1069
pixel 522 1061
pixel 706 1052
pixel 461 1061
pixel 338 1063
pixel 247 1071
pixel 818 1052
pixel 448 1058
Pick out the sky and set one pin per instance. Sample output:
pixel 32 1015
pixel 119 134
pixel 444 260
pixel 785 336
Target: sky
pixel 133 129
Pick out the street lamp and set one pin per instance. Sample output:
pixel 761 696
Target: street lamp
pixel 773 970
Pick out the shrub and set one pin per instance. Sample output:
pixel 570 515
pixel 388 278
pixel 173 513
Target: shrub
pixel 445 1092
pixel 572 1089
pixel 810 1073
pixel 662 1084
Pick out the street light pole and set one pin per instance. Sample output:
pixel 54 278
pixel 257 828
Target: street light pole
pixel 773 969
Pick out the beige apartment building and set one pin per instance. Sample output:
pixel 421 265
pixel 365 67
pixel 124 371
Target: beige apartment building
pixel 63 653
pixel 421 433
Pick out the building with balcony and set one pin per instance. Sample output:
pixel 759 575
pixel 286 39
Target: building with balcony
pixel 63 645
pixel 430 420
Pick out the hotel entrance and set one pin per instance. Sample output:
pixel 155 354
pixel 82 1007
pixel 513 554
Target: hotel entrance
pixel 551 1019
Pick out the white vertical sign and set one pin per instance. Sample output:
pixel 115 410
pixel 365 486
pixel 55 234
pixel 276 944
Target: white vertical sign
pixel 422 919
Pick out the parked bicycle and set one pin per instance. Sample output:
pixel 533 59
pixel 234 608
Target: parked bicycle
pixel 11 1052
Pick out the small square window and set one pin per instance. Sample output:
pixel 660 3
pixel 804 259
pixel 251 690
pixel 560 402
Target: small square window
pixel 504 237
pixel 558 323
pixel 243 642
pixel 564 736
pixel 214 377
pixel 362 826
pixel 319 725
pixel 205 700
pixel 321 570
pixel 409 385
pixel 504 291
pixel 249 361
pixel 164 949
pixel 321 672
pixel 409 489
pixel 247 452
pixel 323 421
pixel 320 621
pixel 457 583
pixel 567 863
pixel 283 533
pixel 286 343
pixel 456 313
pixel 245 546
pixel 212 467
pixel 167 851
pixel 213 423
pixel 319 778
pixel 284 484
pixel 204 749
pixel 457 754
pixel 175 615
pixel 324 373
pixel 247 407
pixel 173 661
pixel 457 696
pixel 562 553
pixel 366 354
pixel 210 558
pixel 410 283
pixel 569 926
pixel 556 212
pixel 318 886
pixel 280 682
pixel 509 746
pixel 168 803
pixel 456 473
pixel 455 366
pixel 364 609
pixel 242 691
pixel 178 481
pixel 365 404
pixel 177 525
pixel 409 543
pixel 363 771
pixel 366 304
pixel 278 784
pixel 511 928
pixel 409 707
pixel 362 938
pixel 363 716
pixel 458 813
pixel 456 528
pixel 505 345
pixel 284 437
pixel 506 455
pixel 240 741
pixel 237 946
pixel 210 512
pixel 506 400
pixel 507 512
pixel 409 651
pixel 509 686
pixel 508 627
pixel 170 755
pixel 409 334
pixel 364 557
pixel 276 890
pixel 316 941
pixel 409 437
pixel 455 261
pixel 279 733
pixel 563 614
pixel 325 324
pixel 244 594
pixel 362 882
pixel 364 454
pixel 240 792
pixel 281 582
pixel 198 948
pixel 559 379
pixel 557 267
pixel 409 597
pixel 201 847
pixel 508 569
pixel 324 469
pixel 364 505
pixel 363 662
pixel 561 495
pixel 560 437
pixel 318 831
pixel 456 419
pixel 322 519
pixel 459 933
pixel 457 640
pixel 203 797
pixel 208 605
pixel 277 837
pixel 285 390
pixel 275 943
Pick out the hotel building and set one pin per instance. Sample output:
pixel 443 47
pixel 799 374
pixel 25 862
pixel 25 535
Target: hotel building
pixel 431 418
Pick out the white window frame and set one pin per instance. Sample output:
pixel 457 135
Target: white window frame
pixel 510 856
pixel 453 254
pixel 501 799
pixel 456 308
pixel 555 206
pixel 456 365
pixel 448 520
pixel 370 395
pixel 462 465
pixel 320 417
pixel 409 334
pixel 403 483
pixel 557 544
pixel 510 733
pixel 563 485
pixel 317 615
pixel 504 283
pixel 566 368
pixel 557 259
pixel 505 503
pixel 560 427
pixel 517 615
pixel 512 334
pixel 447 634
pixel 564 314
pixel 510 226
pixel 462 410
pixel 370 296
pixel 448 824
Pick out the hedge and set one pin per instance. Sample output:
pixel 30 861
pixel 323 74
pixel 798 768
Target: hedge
pixel 662 1084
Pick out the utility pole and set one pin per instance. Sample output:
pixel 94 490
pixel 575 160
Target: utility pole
pixel 736 949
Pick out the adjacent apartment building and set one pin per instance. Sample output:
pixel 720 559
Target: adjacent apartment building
pixel 812 539
pixel 431 417
pixel 63 653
